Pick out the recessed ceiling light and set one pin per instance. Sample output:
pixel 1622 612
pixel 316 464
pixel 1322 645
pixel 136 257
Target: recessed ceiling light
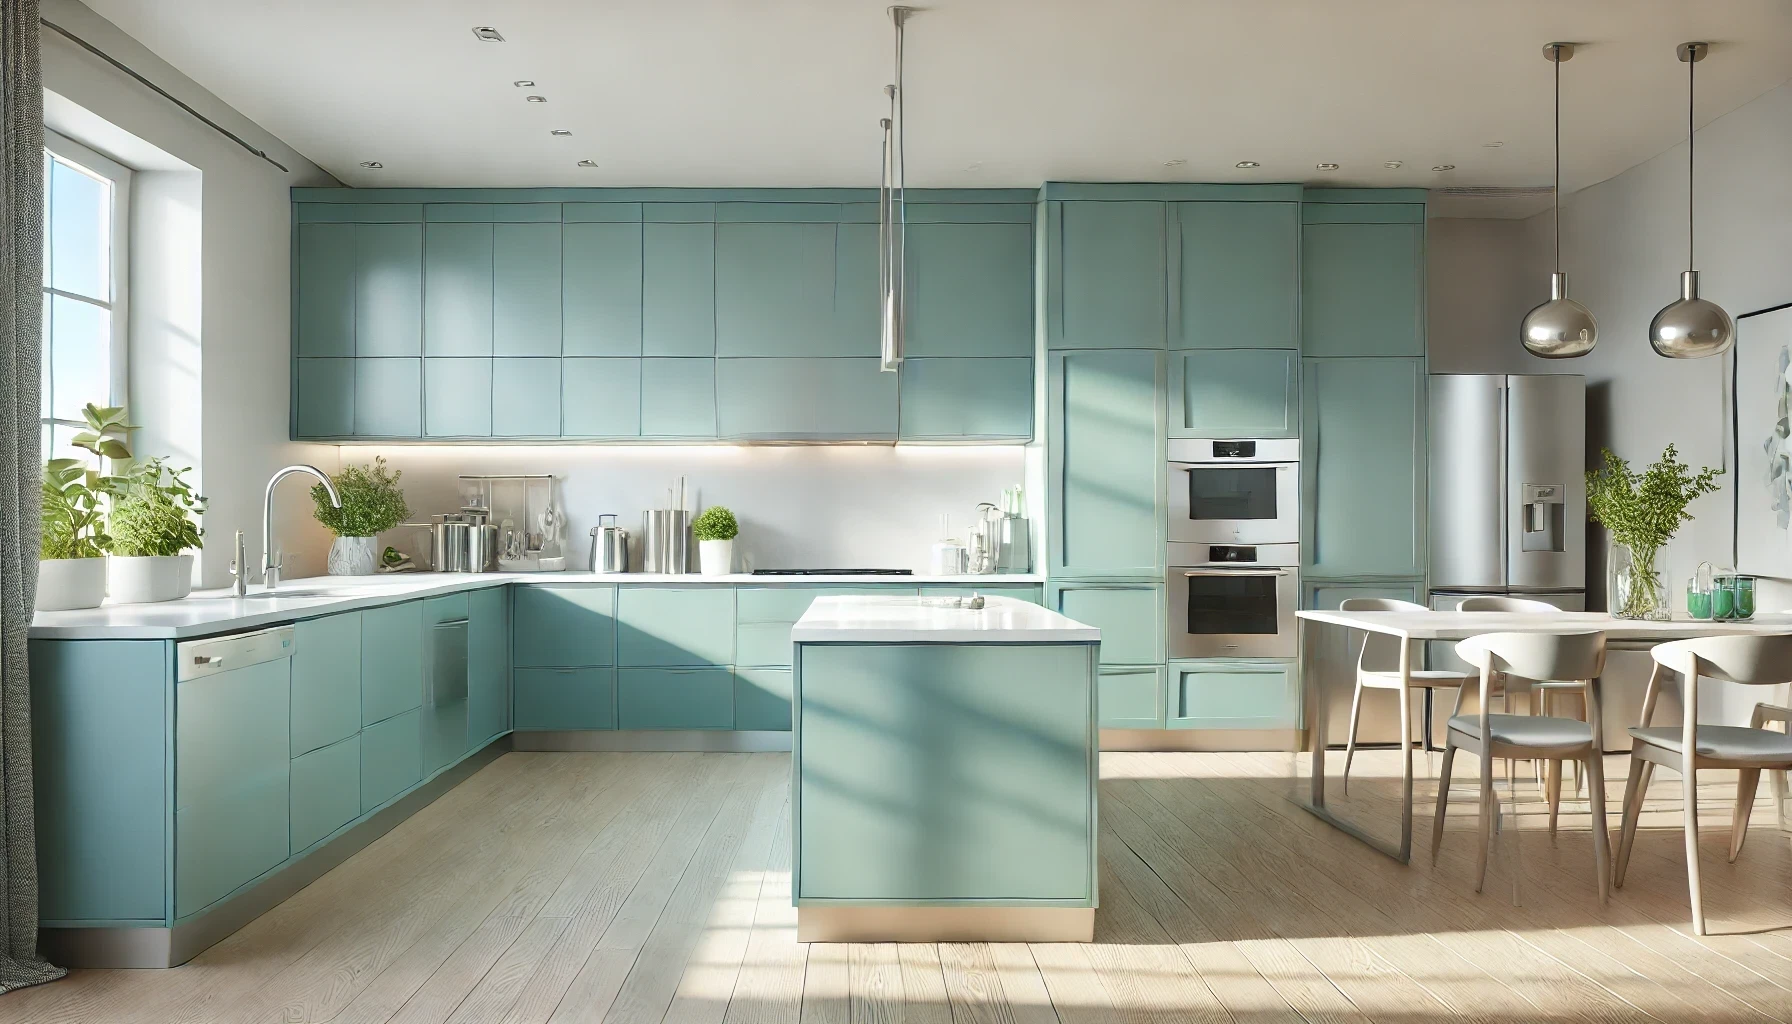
pixel 523 83
pixel 587 163
pixel 487 34
pixel 1392 165
pixel 1325 167
pixel 1492 145
pixel 536 99
pixel 1245 165
pixel 1444 167
pixel 559 131
pixel 1178 162
pixel 372 165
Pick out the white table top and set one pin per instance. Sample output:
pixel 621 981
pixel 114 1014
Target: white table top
pixel 207 612
pixel 1455 625
pixel 931 620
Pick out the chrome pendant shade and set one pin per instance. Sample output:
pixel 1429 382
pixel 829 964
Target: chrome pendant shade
pixel 1560 328
pixel 1691 327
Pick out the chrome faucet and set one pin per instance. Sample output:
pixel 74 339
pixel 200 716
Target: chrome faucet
pixel 270 569
pixel 239 568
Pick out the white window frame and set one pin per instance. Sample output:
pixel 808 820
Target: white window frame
pixel 100 165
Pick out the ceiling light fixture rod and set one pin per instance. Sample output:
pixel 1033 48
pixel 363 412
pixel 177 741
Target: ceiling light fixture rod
pixel 1691 327
pixel 1560 328
pixel 891 215
pixel 1555 194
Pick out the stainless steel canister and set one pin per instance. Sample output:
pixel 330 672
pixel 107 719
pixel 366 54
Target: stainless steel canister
pixel 609 545
pixel 464 541
pixel 665 541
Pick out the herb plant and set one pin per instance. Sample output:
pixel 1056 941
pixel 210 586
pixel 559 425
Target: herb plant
pixel 1643 510
pixel 371 501
pixel 73 516
pixel 715 523
pixel 154 511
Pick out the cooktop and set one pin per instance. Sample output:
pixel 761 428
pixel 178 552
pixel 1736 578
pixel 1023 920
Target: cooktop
pixel 833 572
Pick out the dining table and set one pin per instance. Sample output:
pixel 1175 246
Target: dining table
pixel 1328 679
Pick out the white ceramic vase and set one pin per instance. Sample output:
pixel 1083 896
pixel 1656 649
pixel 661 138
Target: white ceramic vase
pixel 354 556
pixel 145 579
pixel 67 583
pixel 715 557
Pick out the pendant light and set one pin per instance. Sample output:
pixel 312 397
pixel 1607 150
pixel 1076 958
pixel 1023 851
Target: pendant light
pixel 1560 328
pixel 1691 327
pixel 891 218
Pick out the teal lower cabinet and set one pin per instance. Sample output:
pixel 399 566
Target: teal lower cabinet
pixel 1241 694
pixel 675 698
pixel 326 792
pixel 565 698
pixel 1363 468
pixel 392 657
pixel 557 625
pixel 1327 595
pixel 1131 696
pixel 488 665
pixel 326 681
pixel 763 617
pixel 229 839
pixel 1129 615
pixel 762 699
pixel 391 758
pixel 1030 593
pixel 674 626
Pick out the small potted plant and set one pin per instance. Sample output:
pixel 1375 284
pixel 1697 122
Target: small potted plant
pixel 715 530
pixel 153 526
pixel 372 503
pixel 1642 511
pixel 71 567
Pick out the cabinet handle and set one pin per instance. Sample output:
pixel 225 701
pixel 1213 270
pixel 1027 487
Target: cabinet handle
pixel 208 659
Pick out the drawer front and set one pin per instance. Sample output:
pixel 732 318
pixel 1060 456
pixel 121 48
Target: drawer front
pixel 391 661
pixel 1131 697
pixel 1031 593
pixel 448 608
pixel 674 698
pixel 560 626
pixel 565 698
pixel 229 728
pixel 326 681
pixel 1234 695
pixel 675 626
pixel 229 839
pixel 762 699
pixel 391 758
pixel 763 617
pixel 1129 615
pixel 326 791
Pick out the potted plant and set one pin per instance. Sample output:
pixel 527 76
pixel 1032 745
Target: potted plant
pixel 715 530
pixel 371 504
pixel 71 567
pixel 153 526
pixel 1642 511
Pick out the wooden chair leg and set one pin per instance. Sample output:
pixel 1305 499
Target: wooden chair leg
pixel 1485 833
pixel 1689 793
pixel 1747 781
pixel 1778 779
pixel 1356 716
pixel 1602 854
pixel 1552 782
pixel 1443 798
pixel 1634 790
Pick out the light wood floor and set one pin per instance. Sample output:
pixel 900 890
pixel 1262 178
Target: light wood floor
pixel 649 887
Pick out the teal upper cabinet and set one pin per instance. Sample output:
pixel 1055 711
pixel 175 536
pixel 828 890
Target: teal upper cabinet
pixel 525 400
pixel 601 289
pixel 457 289
pixel 1363 279
pixel 965 399
pixel 1364 468
pixel 526 280
pixel 1105 464
pixel 388 397
pixel 1106 274
pixel 678 398
pixel 678 281
pixel 802 399
pixel 775 283
pixel 970 282
pixel 1239 283
pixel 457 397
pixel 1247 392
pixel 600 397
pixel 324 290
pixel 388 289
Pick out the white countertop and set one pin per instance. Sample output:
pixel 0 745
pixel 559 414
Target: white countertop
pixel 207 612
pixel 932 620
pixel 1455 625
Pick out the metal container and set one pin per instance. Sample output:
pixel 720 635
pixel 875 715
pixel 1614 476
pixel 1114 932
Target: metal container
pixel 464 541
pixel 609 546
pixel 666 541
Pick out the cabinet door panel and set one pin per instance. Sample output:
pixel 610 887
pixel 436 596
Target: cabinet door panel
pixel 1106 464
pixel 602 289
pixel 970 290
pixel 565 698
pixel 326 398
pixel 457 397
pixel 526 397
pixel 391 758
pixel 326 290
pixel 564 626
pixel 674 698
pixel 388 397
pixel 391 660
pixel 841 399
pixel 762 699
pixel 1109 271
pixel 1132 697
pixel 1328 596
pixel 678 398
pixel 1130 617
pixel 1234 393
pixel 1234 695
pixel 1365 467
pixel 526 289
pixel 457 292
pixel 600 397
pixel 326 791
pixel 229 840
pixel 1240 282
pixel 857 305
pixel 388 289
pixel 326 681
pixel 675 626
pixel 763 617
pixel 967 399
pixel 1362 290
pixel 488 665
pixel 678 289
pixel 775 289
pixel 231 728
pixel 1032 594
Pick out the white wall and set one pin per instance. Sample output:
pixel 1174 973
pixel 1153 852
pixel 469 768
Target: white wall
pixel 1481 276
pixel 213 381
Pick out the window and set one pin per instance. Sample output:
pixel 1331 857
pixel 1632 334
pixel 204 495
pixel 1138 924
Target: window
pixel 85 214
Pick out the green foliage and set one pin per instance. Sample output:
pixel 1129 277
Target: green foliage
pixel 106 432
pixel 73 517
pixel 1642 510
pixel 371 501
pixel 716 523
pixel 154 511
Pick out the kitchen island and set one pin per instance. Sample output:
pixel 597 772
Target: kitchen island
pixel 944 772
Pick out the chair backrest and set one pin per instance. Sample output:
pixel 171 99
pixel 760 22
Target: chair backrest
pixel 1758 659
pixel 1504 604
pixel 1381 652
pixel 1537 655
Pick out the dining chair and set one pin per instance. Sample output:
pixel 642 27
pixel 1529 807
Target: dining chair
pixel 1543 691
pixel 1378 667
pixel 1572 656
pixel 1757 660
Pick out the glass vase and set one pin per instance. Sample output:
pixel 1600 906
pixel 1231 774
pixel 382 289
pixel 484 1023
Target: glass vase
pixel 1633 587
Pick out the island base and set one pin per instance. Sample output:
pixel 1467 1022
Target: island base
pixel 944 924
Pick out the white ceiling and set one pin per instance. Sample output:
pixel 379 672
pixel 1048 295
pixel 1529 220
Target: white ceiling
pixel 1000 92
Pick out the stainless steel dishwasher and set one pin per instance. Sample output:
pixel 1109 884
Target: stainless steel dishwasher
pixel 445 695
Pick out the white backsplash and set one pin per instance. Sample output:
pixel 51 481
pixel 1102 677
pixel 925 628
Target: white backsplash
pixel 799 507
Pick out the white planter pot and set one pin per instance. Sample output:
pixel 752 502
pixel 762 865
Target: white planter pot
pixel 354 556
pixel 149 578
pixel 715 557
pixel 67 583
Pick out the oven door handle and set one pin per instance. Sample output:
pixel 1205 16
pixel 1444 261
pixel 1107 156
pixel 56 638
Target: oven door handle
pixel 1235 572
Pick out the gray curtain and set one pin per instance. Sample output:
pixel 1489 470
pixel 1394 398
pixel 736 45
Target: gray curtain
pixel 21 326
